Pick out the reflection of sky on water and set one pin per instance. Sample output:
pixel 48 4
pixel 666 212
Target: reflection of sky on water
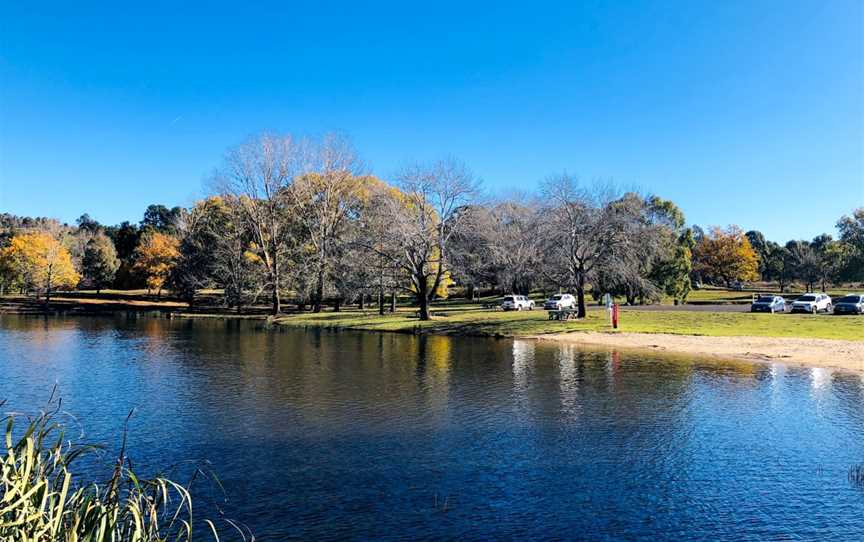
pixel 523 358
pixel 568 380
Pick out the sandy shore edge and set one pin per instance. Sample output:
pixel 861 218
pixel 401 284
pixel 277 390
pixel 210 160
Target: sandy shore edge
pixel 847 355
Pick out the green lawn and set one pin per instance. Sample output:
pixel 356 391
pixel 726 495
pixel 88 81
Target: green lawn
pixel 469 320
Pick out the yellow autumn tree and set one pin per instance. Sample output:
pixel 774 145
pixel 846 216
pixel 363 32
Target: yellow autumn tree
pixel 726 254
pixel 9 276
pixel 155 258
pixel 42 263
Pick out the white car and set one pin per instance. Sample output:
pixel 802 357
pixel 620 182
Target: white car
pixel 517 303
pixel 560 301
pixel 812 303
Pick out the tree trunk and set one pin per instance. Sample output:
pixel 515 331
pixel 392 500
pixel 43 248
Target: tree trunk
pixel 424 307
pixel 423 296
pixel 392 301
pixel 580 297
pixel 337 304
pixel 319 291
pixel 361 302
pixel 471 292
pixel 381 303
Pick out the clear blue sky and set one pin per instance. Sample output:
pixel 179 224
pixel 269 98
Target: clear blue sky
pixel 744 112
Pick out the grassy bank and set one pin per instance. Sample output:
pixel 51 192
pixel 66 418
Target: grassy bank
pixel 460 318
pixel 469 320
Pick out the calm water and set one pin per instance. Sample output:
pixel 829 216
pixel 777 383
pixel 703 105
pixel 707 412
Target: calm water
pixel 324 435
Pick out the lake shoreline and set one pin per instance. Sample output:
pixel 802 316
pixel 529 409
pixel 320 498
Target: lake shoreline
pixel 792 350
pixel 823 353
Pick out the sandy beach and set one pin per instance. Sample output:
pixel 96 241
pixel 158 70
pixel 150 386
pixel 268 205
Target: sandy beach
pixel 848 355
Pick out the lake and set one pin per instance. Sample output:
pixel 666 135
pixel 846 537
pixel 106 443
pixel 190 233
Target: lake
pixel 337 435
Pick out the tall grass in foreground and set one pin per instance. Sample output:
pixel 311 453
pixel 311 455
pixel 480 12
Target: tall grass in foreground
pixel 41 499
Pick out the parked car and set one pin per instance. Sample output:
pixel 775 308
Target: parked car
pixel 850 304
pixel 768 303
pixel 812 303
pixel 517 303
pixel 560 301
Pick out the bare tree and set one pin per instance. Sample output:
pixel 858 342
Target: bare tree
pixel 581 233
pixel 424 215
pixel 513 243
pixel 256 174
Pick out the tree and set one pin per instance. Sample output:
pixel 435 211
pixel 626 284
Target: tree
pixel 161 219
pixel 100 261
pixel 760 245
pixel 323 201
pixel 212 251
pixel 255 175
pixel 423 216
pixel 125 237
pixel 10 278
pixel 805 262
pixel 672 272
pixel 509 243
pixel 726 255
pixel 155 259
pixel 779 265
pixel 583 235
pixel 375 252
pixel 43 263
pixel 85 222
pixel 471 256
pixel 198 231
pixel 851 230
pixel 831 255
pixel 233 262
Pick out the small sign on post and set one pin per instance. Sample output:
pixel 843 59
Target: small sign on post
pixel 615 316
pixel 607 300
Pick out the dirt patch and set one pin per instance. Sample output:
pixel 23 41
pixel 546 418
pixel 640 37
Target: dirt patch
pixel 847 355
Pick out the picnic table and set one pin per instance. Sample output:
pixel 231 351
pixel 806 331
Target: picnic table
pixel 494 305
pixel 563 314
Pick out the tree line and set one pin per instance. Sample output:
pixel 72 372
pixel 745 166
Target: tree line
pixel 301 218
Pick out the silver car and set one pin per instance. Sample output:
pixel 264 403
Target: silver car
pixel 560 301
pixel 768 303
pixel 516 303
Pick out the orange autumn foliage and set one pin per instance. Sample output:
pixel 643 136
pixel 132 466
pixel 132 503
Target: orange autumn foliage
pixel 155 258
pixel 727 255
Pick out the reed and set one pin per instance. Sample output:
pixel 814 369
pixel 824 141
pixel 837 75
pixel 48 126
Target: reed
pixel 42 499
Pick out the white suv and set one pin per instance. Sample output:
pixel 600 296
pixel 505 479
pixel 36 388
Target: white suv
pixel 812 303
pixel 517 303
pixel 560 301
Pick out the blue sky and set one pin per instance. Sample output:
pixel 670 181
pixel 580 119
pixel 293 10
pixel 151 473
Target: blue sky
pixel 745 112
